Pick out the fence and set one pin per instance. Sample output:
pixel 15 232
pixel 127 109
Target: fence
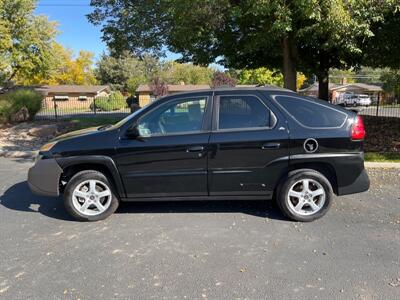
pixel 388 108
pixel 64 107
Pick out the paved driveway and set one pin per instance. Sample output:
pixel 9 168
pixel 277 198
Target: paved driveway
pixel 210 250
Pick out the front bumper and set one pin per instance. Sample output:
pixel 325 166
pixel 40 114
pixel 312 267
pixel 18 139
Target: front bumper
pixel 44 178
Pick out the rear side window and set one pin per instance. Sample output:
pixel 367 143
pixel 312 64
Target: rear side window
pixel 311 113
pixel 243 112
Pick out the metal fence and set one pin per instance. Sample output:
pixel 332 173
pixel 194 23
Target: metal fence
pixel 54 108
pixel 388 108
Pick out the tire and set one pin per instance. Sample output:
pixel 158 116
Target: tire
pixel 297 203
pixel 98 200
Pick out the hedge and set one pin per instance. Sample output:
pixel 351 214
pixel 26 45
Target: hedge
pixel 12 102
pixel 115 101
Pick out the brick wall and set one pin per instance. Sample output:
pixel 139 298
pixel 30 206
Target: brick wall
pixel 73 102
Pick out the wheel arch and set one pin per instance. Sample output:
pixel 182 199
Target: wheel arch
pixel 324 168
pixel 103 164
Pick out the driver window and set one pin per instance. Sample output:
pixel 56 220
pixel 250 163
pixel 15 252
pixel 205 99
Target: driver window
pixel 180 116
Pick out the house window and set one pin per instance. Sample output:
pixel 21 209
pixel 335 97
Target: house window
pixel 82 98
pixel 61 98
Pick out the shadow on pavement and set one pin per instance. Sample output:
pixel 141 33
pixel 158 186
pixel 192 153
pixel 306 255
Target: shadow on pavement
pixel 263 209
pixel 19 197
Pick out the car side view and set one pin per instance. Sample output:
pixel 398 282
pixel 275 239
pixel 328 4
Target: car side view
pixel 224 144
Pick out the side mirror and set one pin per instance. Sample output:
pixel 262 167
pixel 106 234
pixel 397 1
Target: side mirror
pixel 133 133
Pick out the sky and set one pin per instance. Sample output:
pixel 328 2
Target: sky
pixel 76 32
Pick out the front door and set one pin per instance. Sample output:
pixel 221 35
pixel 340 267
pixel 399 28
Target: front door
pixel 248 145
pixel 169 158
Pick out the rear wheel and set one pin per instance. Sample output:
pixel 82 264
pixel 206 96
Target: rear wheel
pixel 89 196
pixel 305 195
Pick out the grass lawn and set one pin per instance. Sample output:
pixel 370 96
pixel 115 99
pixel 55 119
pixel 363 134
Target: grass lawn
pixel 382 156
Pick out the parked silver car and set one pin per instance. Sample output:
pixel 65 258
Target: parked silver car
pixel 357 100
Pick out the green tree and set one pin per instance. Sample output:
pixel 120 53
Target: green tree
pixel 307 35
pixel 26 41
pixel 65 69
pixel 391 82
pixel 261 76
pixel 125 72
pixel 176 73
pixel 383 49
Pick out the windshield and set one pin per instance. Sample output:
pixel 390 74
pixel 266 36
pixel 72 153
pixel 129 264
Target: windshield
pixel 127 119
pixel 130 117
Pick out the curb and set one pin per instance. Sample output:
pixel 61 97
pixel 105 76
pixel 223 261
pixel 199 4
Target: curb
pixel 19 154
pixel 381 165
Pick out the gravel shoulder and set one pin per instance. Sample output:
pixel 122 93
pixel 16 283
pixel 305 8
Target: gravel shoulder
pixel 199 250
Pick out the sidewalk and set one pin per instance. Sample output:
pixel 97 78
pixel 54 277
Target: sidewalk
pixel 382 165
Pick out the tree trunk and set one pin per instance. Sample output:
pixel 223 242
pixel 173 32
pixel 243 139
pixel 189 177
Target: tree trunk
pixel 323 85
pixel 7 84
pixel 289 65
pixel 323 76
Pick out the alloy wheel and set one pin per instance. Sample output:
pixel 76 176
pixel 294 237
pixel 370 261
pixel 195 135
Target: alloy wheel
pixel 91 197
pixel 306 197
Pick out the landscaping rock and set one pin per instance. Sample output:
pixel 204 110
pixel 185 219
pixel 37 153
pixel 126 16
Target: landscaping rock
pixel 20 116
pixel 44 131
pixel 23 140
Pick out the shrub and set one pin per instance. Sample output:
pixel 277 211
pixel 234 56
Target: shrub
pixel 5 110
pixel 12 102
pixel 115 101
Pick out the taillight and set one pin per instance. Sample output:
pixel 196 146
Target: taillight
pixel 358 129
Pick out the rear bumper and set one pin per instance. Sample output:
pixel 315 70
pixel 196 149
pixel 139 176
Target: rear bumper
pixel 361 184
pixel 351 176
pixel 44 178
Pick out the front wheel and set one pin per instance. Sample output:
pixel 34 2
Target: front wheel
pixel 305 195
pixel 89 196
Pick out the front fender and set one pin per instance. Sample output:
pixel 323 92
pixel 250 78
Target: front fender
pixel 104 161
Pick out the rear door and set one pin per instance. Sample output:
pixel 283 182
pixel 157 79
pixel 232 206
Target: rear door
pixel 248 145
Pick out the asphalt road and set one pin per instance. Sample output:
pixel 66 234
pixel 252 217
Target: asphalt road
pixel 202 250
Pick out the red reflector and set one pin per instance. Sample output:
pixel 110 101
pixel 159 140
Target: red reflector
pixel 358 129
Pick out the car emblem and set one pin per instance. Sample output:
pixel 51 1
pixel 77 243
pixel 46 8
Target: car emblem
pixel 310 145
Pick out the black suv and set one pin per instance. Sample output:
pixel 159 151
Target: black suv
pixel 223 144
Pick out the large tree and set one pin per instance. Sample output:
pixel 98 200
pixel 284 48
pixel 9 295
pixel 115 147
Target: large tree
pixel 177 73
pixel 125 71
pixel 64 68
pixel 261 76
pixel 26 41
pixel 383 49
pixel 307 35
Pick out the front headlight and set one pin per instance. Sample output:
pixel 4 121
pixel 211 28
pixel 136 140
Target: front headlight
pixel 48 146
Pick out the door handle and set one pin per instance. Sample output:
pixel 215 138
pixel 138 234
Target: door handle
pixel 271 146
pixel 195 149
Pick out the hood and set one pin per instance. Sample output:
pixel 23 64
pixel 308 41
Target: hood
pixel 77 133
